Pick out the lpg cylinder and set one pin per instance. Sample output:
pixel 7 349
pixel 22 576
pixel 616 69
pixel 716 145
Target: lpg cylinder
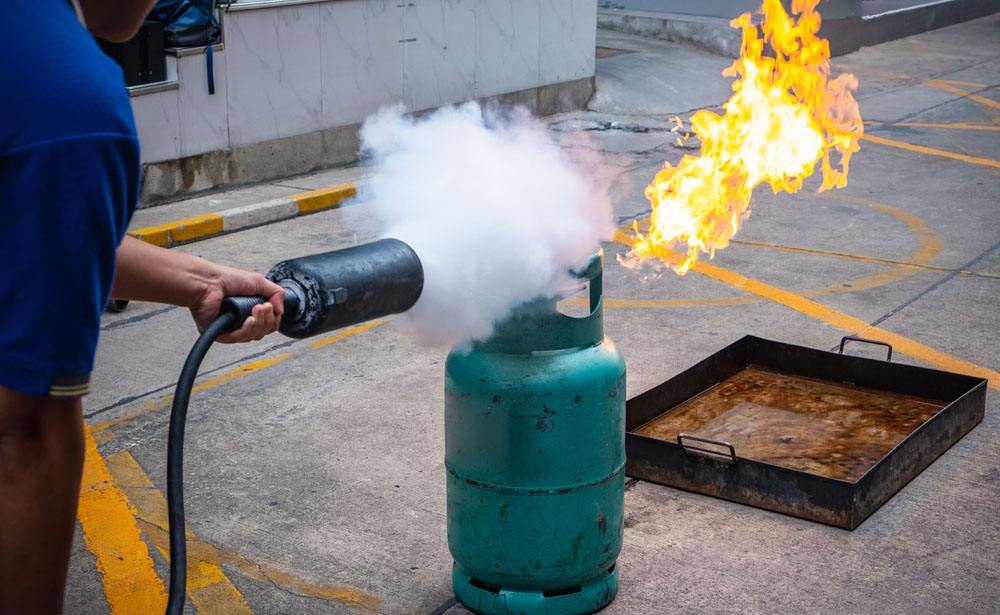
pixel 535 458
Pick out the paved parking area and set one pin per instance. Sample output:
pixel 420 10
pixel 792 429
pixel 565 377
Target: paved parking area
pixel 314 468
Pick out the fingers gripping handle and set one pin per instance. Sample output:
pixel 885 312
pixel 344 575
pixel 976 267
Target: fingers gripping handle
pixel 241 308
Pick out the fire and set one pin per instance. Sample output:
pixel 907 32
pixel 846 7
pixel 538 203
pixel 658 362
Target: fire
pixel 786 113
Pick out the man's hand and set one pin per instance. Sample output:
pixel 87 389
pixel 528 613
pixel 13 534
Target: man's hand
pixel 149 273
pixel 231 282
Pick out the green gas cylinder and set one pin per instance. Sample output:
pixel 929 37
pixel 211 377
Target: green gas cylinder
pixel 535 457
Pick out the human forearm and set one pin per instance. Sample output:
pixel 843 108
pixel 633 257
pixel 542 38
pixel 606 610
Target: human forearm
pixel 115 20
pixel 150 273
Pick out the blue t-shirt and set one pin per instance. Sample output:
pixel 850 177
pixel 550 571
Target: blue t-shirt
pixel 69 182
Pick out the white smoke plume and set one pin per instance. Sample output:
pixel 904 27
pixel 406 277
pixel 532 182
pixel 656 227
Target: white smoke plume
pixel 496 212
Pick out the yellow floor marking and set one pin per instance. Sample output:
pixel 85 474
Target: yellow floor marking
pixel 848 323
pixel 106 518
pixel 215 557
pixel 110 533
pixel 931 151
pixel 948 86
pixel 839 319
pixel 967 84
pixel 209 588
pixel 928 248
pixel 166 400
pixel 955 126
pixel 347 333
pixel 239 372
pixel 865 259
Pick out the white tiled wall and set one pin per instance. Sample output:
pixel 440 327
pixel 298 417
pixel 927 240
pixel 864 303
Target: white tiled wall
pixel 568 40
pixel 157 121
pixel 274 78
pixel 295 69
pixel 362 64
pixel 507 45
pixel 439 52
pixel 204 122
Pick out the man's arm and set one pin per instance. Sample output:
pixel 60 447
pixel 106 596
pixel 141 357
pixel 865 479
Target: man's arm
pixel 149 273
pixel 115 20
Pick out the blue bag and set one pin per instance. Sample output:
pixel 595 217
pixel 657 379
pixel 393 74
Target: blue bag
pixel 187 23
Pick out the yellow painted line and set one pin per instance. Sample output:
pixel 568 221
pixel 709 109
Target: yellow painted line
pixel 917 45
pixel 209 588
pixel 347 596
pixel 967 84
pixel 948 86
pixel 325 198
pixel 847 323
pixel 111 534
pixel 166 400
pixel 345 334
pixel 954 126
pixel 931 151
pixel 864 258
pixel 239 372
pixel 156 235
pixel 838 319
pixel 928 248
pixel 194 228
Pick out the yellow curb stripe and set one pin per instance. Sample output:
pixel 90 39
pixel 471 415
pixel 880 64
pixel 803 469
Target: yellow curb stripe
pixel 111 534
pixel 195 227
pixel 156 235
pixel 200 227
pixel 324 198
pixel 931 151
pixel 209 588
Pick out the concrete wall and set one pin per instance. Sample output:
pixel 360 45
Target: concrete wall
pixel 295 78
pixel 727 9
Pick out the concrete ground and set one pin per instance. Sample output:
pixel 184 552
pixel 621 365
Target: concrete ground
pixel 314 474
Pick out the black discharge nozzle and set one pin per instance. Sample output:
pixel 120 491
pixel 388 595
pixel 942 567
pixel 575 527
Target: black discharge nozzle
pixel 340 288
pixel 323 292
pixel 345 287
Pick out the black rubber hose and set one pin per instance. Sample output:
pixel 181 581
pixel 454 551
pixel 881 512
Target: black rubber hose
pixel 175 457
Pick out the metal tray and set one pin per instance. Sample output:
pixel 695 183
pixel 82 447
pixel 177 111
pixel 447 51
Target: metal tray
pixel 815 434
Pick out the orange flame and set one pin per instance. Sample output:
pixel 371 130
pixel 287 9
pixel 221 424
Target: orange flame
pixel 785 114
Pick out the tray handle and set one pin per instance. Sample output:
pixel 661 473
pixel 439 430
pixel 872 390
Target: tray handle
pixel 854 338
pixel 707 453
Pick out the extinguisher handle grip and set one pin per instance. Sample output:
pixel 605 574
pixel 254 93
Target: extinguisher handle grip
pixel 241 308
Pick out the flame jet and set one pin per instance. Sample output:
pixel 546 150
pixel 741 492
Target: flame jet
pixel 786 113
